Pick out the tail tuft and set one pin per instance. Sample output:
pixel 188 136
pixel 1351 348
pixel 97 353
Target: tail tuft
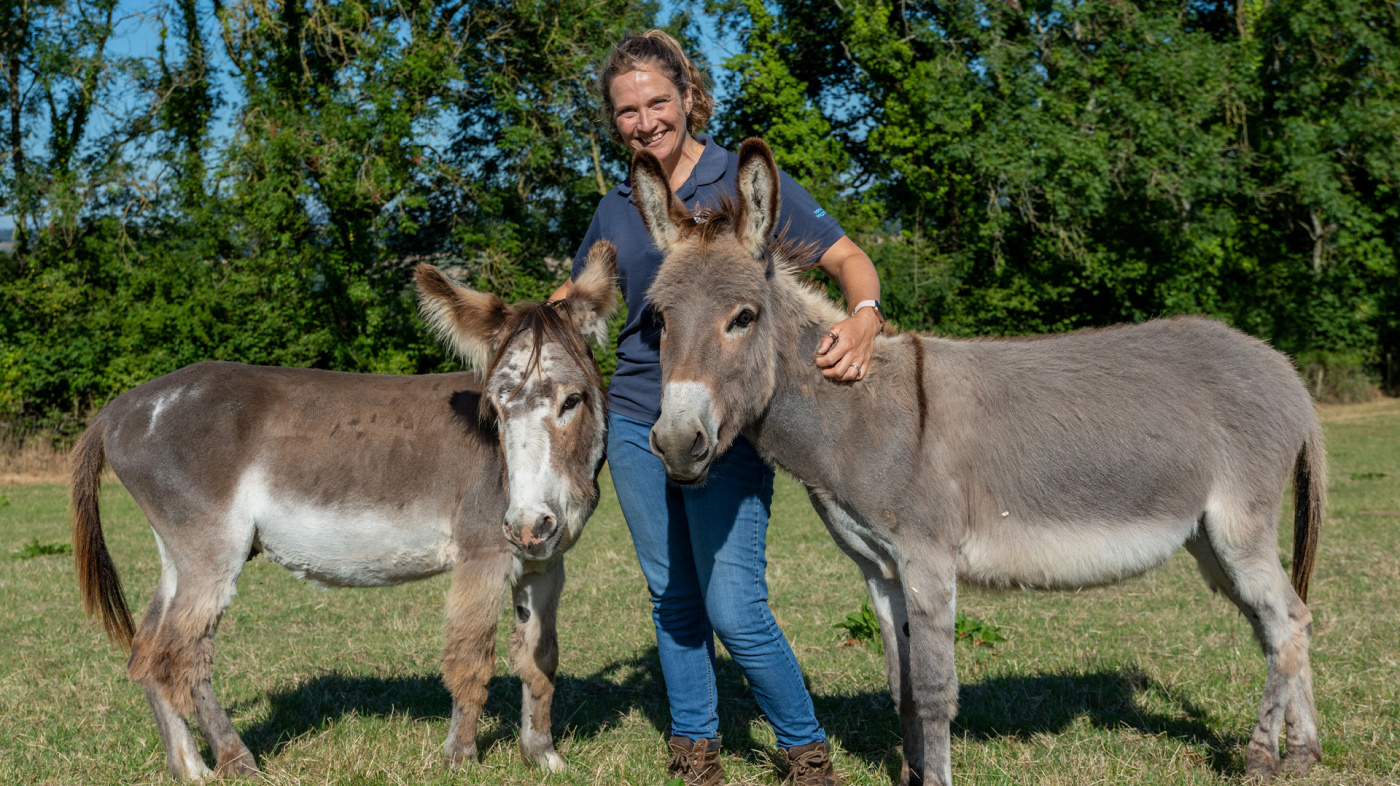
pixel 98 581
pixel 1309 501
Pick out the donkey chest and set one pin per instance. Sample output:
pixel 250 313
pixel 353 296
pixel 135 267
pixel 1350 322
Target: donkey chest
pixel 868 544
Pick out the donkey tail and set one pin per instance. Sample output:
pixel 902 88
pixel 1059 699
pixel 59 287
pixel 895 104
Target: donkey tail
pixel 1309 500
pixel 98 582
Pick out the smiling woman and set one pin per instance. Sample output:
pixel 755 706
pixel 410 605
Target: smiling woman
pixel 702 549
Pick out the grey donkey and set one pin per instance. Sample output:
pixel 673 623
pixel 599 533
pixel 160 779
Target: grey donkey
pixel 355 480
pixel 1049 462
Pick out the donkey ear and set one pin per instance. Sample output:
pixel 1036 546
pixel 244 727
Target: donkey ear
pixel 593 297
pixel 467 321
pixel 758 196
pixel 662 213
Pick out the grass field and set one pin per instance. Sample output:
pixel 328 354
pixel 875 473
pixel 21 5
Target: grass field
pixel 1153 681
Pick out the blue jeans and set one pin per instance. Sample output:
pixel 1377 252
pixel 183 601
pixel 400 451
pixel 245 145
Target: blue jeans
pixel 702 551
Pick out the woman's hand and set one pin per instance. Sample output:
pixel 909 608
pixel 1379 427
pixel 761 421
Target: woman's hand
pixel 845 352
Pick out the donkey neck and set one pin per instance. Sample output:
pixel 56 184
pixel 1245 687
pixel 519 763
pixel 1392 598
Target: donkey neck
pixel 812 423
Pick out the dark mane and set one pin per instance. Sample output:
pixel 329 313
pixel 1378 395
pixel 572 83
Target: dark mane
pixel 712 221
pixel 546 322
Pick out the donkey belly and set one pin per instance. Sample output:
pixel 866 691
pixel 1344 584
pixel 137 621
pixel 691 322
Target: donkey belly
pixel 346 543
pixel 1063 555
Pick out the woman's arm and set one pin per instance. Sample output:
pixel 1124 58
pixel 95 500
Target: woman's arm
pixel 845 352
pixel 563 290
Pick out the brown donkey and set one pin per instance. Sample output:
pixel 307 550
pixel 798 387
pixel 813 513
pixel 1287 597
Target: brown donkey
pixel 1055 462
pixel 356 480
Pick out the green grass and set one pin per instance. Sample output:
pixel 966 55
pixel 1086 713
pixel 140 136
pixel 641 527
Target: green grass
pixel 1151 681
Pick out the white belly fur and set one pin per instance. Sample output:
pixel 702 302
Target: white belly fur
pixel 344 545
pixel 1066 556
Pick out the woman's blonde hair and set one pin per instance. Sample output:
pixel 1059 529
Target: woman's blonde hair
pixel 656 49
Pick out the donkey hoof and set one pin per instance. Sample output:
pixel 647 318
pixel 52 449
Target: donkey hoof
pixel 1302 761
pixel 550 762
pixel 1258 772
pixel 462 756
pixel 238 764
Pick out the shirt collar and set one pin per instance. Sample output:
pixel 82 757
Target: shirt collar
pixel 713 163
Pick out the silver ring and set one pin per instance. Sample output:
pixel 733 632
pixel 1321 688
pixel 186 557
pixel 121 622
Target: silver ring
pixel 856 366
pixel 833 336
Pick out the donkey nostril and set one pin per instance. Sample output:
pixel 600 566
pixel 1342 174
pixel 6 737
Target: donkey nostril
pixel 698 448
pixel 656 448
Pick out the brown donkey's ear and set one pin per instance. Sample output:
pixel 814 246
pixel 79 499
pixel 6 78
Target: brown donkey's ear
pixel 758 196
pixel 662 213
pixel 467 321
pixel 593 297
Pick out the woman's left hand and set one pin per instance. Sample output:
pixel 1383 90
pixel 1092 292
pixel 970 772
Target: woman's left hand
pixel 845 352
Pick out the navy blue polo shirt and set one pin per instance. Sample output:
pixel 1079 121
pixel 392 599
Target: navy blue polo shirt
pixel 636 384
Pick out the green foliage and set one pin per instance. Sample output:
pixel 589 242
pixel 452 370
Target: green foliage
pixel 863 626
pixel 976 632
pixel 1050 166
pixel 1010 167
pixel 368 137
pixel 34 549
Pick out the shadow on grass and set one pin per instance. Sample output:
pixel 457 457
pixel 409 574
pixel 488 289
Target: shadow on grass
pixel 1021 707
pixel 864 722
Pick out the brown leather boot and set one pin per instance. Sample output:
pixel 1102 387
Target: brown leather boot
pixel 696 763
pixel 810 765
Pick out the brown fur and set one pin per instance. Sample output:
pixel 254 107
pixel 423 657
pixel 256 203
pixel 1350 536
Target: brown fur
pixel 226 460
pixel 98 581
pixel 1309 502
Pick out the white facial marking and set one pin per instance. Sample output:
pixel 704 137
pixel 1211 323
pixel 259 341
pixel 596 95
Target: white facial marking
pixel 527 417
pixel 347 544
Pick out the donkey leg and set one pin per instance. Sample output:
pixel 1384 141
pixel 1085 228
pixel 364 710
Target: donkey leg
pixel 929 579
pixel 173 651
pixel 1239 557
pixel 232 757
pixel 181 751
pixel 887 597
pixel 534 654
pixel 469 657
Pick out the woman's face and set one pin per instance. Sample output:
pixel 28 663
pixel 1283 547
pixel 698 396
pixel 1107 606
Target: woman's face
pixel 650 112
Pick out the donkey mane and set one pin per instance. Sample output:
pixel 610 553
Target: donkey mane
pixel 545 322
pixel 712 221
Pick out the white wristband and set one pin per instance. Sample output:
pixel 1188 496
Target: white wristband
pixel 868 304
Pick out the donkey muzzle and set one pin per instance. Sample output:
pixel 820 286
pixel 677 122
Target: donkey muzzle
pixel 686 453
pixel 685 436
pixel 531 530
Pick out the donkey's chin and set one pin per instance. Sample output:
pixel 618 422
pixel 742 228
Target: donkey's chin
pixel 543 550
pixel 691 473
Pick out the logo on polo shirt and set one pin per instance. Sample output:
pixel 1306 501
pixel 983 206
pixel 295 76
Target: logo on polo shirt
pixel 818 212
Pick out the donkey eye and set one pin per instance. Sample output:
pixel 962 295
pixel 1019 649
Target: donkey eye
pixel 572 401
pixel 742 320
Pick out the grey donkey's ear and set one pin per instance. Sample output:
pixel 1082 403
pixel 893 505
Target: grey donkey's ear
pixel 662 213
pixel 758 196
pixel 593 297
pixel 467 321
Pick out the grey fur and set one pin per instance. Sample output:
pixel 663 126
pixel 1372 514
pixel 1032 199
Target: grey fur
pixel 1050 462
